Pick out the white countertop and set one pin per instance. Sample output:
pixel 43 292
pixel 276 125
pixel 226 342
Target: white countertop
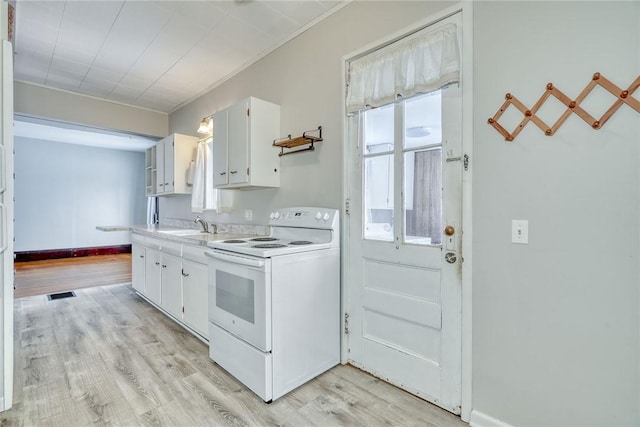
pixel 159 232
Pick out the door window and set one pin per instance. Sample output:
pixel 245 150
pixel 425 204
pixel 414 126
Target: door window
pixel 411 160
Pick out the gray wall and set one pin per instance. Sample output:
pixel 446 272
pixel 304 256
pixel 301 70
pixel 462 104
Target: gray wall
pixel 63 191
pixel 305 78
pixel 555 322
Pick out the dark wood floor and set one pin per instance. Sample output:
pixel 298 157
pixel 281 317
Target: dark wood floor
pixel 66 274
pixel 109 357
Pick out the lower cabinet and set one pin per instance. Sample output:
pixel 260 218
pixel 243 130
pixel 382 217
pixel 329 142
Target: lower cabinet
pixel 171 285
pixel 137 267
pixel 152 275
pixel 174 277
pixel 195 296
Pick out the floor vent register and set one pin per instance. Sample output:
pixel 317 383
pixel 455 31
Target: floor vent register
pixel 61 295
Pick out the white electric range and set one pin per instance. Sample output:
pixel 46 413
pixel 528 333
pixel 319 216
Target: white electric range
pixel 274 302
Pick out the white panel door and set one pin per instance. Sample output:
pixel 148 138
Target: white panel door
pixel 403 270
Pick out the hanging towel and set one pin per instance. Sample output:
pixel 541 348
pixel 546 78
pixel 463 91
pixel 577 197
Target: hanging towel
pixel 204 196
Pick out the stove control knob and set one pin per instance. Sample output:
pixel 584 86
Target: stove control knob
pixel 326 217
pixel 276 215
pixel 272 215
pixel 319 216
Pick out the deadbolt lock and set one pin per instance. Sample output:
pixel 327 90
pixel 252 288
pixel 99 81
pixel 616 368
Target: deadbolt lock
pixel 450 257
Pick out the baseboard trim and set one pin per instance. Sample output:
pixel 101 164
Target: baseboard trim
pixel 480 419
pixel 71 253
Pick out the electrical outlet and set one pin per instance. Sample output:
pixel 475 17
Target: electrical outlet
pixel 248 215
pixel 520 231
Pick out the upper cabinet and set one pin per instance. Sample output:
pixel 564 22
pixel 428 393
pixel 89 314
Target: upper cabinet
pixel 168 165
pixel 242 145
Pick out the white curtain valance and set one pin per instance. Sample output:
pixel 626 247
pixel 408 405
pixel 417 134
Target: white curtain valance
pixel 417 64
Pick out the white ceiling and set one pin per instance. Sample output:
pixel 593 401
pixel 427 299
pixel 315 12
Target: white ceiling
pixel 152 54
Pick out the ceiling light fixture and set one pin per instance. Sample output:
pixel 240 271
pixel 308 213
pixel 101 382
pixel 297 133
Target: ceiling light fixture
pixel 206 125
pixel 418 131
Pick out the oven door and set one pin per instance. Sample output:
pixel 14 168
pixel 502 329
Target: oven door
pixel 240 296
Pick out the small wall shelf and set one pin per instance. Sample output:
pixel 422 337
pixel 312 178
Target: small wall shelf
pixel 305 139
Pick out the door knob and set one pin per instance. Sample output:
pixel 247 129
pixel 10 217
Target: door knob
pixel 450 257
pixel 449 230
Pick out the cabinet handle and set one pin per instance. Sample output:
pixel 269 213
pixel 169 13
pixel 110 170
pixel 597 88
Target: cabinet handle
pixel 233 172
pixel 141 256
pixel 157 263
pixel 166 183
pixel 223 173
pixel 164 266
pixel 184 274
pixel 161 185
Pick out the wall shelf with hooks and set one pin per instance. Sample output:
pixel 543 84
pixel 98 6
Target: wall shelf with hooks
pixel 305 139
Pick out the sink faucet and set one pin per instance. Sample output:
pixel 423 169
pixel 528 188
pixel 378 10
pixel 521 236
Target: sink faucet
pixel 203 223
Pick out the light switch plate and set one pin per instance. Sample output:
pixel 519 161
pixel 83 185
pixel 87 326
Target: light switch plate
pixel 520 231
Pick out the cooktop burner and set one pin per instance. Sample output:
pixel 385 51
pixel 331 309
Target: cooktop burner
pixel 263 239
pixel 300 242
pixel 233 241
pixel 269 245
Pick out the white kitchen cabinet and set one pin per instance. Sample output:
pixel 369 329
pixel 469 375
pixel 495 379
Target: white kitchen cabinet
pixel 195 296
pixel 173 276
pixel 151 171
pixel 173 156
pixel 242 145
pixel 153 267
pixel 171 285
pixel 138 267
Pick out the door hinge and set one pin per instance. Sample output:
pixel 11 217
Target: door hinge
pixel 465 162
pixel 346 323
pixel 347 206
pixel 247 171
pixel 183 309
pixel 247 112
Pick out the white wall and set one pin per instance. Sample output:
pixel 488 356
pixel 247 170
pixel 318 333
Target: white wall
pixel 63 191
pixel 39 101
pixel 555 322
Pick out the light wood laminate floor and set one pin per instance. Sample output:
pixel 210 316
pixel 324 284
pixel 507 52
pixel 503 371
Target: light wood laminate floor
pixel 107 357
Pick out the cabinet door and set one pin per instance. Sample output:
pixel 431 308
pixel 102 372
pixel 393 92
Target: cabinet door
pixel 219 148
pixel 195 296
pixel 160 167
pixel 172 285
pixel 152 275
pixel 137 267
pixel 169 165
pixel 238 145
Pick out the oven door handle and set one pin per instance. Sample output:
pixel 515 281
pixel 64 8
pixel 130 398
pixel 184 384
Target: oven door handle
pixel 234 259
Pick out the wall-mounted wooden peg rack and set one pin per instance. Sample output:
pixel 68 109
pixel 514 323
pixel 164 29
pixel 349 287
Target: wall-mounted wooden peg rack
pixel 306 139
pixel 573 106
